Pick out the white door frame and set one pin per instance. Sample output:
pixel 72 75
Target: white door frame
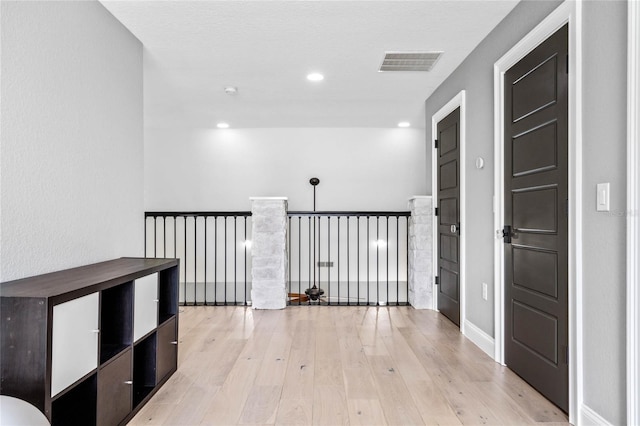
pixel 568 12
pixel 457 101
pixel 633 215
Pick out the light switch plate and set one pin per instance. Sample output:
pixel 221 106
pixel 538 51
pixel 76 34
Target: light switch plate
pixel 602 197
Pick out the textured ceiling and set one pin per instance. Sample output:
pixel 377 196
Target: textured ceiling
pixel 193 49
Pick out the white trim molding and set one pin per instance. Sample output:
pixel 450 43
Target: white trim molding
pixel 479 338
pixel 633 215
pixel 568 12
pixel 588 417
pixel 457 101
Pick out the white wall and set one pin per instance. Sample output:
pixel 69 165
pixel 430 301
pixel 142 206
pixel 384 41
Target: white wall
pixel 72 138
pixel 212 169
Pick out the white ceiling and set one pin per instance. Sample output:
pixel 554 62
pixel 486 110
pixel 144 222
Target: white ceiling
pixel 193 49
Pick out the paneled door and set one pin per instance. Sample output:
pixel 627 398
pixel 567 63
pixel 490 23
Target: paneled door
pixel 536 218
pixel 448 270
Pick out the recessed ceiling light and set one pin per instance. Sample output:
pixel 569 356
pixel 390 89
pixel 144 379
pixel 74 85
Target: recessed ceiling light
pixel 230 90
pixel 314 76
pixel 223 125
pixel 404 124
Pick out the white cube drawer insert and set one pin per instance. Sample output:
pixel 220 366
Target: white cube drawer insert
pixel 74 341
pixel 145 309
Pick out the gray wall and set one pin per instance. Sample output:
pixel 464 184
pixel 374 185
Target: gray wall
pixel 604 160
pixel 475 75
pixel 604 145
pixel 72 137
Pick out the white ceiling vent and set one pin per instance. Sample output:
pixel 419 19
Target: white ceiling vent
pixel 409 61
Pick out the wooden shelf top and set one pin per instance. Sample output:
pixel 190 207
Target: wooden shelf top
pixel 85 279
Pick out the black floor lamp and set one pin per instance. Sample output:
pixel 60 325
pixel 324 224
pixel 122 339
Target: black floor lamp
pixel 314 292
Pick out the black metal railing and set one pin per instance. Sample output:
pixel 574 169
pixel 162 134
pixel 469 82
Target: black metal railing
pixel 356 258
pixel 213 252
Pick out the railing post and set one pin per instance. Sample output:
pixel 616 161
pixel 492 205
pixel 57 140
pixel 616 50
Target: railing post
pixel 421 252
pixel 269 252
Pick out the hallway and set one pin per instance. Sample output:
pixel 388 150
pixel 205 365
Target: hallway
pixel 336 365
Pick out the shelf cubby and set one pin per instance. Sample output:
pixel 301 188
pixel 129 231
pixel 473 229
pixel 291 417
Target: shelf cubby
pixel 116 320
pixel 144 368
pixel 77 406
pixel 167 294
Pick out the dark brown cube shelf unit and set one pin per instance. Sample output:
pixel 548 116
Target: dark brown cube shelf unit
pixel 90 345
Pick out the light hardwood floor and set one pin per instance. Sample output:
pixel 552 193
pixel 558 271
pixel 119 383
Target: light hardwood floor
pixel 336 365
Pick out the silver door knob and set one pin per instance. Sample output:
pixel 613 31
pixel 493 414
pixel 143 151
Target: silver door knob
pixel 454 229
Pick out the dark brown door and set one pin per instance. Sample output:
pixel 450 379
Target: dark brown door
pixel 536 197
pixel 448 148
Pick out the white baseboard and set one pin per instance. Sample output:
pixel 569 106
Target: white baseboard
pixel 588 417
pixel 479 338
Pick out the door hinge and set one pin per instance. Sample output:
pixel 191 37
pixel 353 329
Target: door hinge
pixel 437 280
pixel 435 143
pixel 436 212
pixel 566 355
pixel 567 64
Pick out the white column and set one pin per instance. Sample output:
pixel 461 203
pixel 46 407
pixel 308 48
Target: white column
pixel 269 252
pixel 421 252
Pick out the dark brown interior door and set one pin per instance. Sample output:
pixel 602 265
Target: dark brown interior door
pixel 448 148
pixel 536 209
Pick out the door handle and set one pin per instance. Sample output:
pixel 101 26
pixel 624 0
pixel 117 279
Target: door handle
pixel 507 233
pixel 454 228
